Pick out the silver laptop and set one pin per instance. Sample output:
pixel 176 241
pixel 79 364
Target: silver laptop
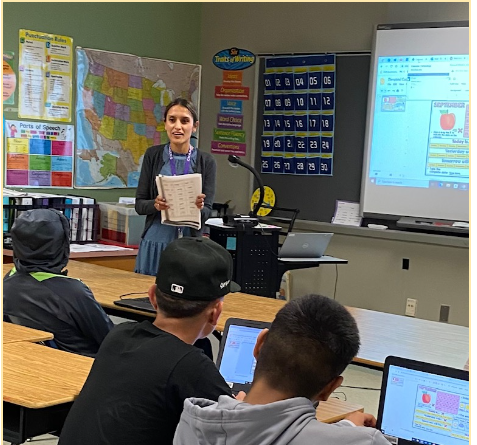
pixel 304 246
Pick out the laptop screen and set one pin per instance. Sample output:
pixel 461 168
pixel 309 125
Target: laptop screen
pixel 238 363
pixel 425 408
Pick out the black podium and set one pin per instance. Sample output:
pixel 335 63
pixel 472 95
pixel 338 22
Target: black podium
pixel 255 255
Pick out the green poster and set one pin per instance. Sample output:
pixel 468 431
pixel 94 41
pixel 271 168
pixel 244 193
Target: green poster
pixel 40 162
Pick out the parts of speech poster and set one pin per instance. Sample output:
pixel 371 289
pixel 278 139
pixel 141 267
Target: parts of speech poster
pixel 38 154
pixel 45 71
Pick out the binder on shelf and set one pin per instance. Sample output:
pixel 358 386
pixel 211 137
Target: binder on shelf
pixel 82 213
pixel 76 201
pixel 87 220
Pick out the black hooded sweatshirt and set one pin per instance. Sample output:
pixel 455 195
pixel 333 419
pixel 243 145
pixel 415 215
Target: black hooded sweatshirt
pixel 37 293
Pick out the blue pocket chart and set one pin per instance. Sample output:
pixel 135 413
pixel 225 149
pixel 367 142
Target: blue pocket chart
pixel 299 115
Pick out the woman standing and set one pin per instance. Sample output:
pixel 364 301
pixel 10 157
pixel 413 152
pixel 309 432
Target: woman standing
pixel 178 157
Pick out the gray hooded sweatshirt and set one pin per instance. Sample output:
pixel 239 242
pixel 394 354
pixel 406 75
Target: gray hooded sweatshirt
pixel 290 422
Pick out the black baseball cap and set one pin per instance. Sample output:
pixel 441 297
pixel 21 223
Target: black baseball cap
pixel 195 269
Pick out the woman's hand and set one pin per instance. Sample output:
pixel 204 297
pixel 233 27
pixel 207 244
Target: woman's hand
pixel 160 203
pixel 199 202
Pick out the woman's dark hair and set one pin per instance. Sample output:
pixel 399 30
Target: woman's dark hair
pixel 183 103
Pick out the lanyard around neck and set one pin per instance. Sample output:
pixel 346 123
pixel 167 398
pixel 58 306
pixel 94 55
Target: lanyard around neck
pixel 173 163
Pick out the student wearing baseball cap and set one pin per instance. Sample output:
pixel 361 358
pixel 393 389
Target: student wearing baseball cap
pixel 144 371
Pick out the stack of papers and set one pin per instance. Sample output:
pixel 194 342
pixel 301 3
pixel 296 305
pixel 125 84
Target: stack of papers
pixel 79 248
pixel 181 194
pixel 347 213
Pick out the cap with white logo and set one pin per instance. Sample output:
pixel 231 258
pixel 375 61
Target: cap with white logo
pixel 196 269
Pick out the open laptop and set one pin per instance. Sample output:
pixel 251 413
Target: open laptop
pixel 235 359
pixel 424 403
pixel 304 246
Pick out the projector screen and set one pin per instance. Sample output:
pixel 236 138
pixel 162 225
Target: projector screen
pixel 416 159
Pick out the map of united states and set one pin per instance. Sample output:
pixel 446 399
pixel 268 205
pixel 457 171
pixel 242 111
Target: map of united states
pixel 120 104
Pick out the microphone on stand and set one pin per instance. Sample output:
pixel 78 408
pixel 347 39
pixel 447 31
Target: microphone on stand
pixel 242 220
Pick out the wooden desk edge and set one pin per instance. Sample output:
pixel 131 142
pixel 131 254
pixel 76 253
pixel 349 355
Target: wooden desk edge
pixel 33 405
pixel 339 417
pixel 36 340
pixel 368 362
pixel 95 254
pixel 36 334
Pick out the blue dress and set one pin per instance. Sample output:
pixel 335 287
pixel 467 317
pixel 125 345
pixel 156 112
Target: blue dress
pixel 158 236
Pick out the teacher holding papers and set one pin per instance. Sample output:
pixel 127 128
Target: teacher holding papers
pixel 178 157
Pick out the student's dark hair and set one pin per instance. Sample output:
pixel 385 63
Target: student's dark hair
pixel 310 342
pixel 183 103
pixel 174 307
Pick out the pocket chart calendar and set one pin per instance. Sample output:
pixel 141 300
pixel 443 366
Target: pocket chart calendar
pixel 299 114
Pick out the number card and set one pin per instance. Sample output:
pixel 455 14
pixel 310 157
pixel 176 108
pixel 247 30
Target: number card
pixel 299 115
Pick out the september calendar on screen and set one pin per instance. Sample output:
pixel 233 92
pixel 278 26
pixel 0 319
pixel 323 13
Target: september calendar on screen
pixel 299 115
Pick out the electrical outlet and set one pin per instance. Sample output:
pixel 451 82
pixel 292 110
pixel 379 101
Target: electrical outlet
pixel 411 306
pixel 444 313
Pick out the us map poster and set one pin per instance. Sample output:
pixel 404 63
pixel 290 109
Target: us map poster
pixel 45 65
pixel 121 100
pixel 299 115
pixel 39 154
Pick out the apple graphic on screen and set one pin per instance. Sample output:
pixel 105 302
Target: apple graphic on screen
pixel 426 398
pixel 447 120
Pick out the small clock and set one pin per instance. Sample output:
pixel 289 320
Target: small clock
pixel 268 201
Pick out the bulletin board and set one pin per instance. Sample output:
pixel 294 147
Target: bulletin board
pixel 315 194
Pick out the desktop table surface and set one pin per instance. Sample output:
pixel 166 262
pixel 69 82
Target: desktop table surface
pixel 382 334
pixel 36 376
pixel 95 254
pixel 12 333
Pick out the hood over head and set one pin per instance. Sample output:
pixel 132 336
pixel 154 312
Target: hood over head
pixel 232 422
pixel 41 241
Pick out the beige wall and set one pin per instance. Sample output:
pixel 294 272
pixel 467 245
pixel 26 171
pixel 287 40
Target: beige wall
pixel 373 278
pixel 288 27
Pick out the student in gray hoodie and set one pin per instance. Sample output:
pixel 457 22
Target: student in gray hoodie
pixel 299 361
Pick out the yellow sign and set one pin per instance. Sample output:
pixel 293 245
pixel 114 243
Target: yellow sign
pixel 268 201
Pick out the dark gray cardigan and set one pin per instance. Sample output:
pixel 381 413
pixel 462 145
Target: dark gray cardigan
pixel 146 191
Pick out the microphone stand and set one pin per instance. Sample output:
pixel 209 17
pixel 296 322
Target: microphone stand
pixel 234 161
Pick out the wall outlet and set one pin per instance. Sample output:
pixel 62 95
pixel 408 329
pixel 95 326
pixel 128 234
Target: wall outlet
pixel 411 307
pixel 444 313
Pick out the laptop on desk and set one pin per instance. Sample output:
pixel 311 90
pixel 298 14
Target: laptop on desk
pixel 140 304
pixel 235 359
pixel 304 246
pixel 422 403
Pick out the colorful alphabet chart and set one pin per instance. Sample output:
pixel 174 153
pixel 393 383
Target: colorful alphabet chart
pixel 299 115
pixel 38 154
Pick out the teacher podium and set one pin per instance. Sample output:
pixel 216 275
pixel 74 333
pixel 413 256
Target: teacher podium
pixel 257 267
pixel 255 254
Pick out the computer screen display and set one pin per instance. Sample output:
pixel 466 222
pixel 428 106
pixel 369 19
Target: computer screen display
pixel 426 408
pixel 417 147
pixel 421 122
pixel 238 362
